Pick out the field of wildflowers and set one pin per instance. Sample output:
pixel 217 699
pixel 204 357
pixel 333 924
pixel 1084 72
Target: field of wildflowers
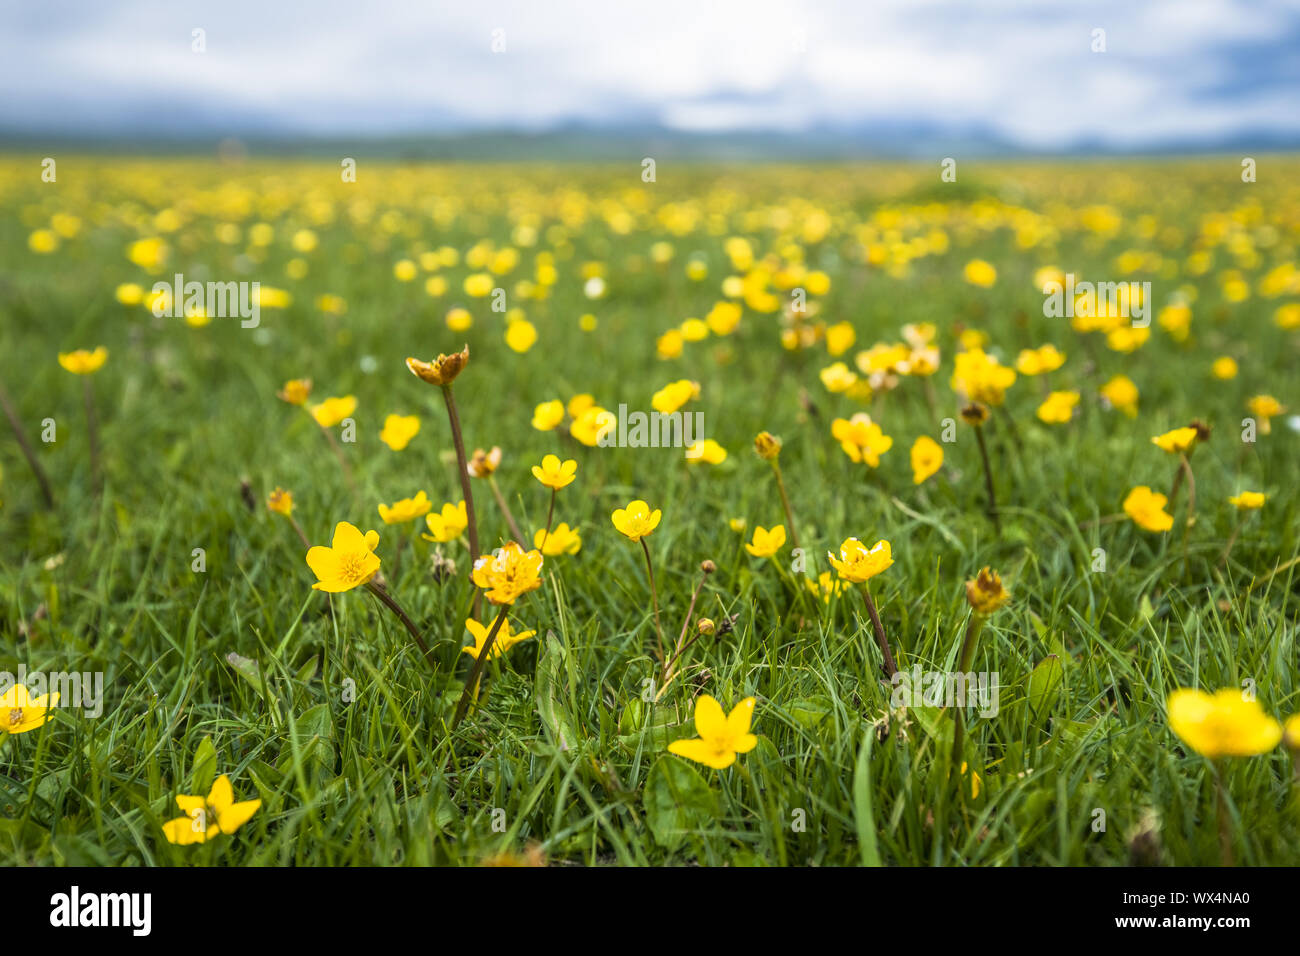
pixel 750 515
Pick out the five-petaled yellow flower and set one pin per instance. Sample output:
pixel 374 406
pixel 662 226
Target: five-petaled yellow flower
pixel 1265 408
pixel 503 642
pixel 1224 724
pixel 636 520
pixel 1247 500
pixel 561 540
pixel 333 410
pixel 280 501
pixel 296 391
pixel 447 525
pixel 1178 441
pixel 857 564
pixel 1058 408
pixel 981 378
pixel 20 712
pixel 708 452
pixel 548 415
pixel 508 573
pixel 825 587
pixel 554 473
pixel 1121 394
pixel 1147 509
pixel 674 395
pixel 927 458
pixel 209 816
pixel 766 543
pixel 720 738
pixel 861 438
pixel 84 361
pixel 398 431
pixel 406 509
pixel 348 562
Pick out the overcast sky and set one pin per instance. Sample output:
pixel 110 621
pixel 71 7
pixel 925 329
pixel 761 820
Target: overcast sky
pixel 1205 70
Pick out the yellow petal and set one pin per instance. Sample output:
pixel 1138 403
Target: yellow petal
pixel 221 796
pixel 702 752
pixel 741 715
pixel 709 721
pixel 236 815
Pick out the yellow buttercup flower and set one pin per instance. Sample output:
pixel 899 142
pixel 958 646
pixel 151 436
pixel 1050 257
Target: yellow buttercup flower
pixel 720 738
pixel 1247 500
pixel 482 463
pixel 927 458
pixel 590 424
pixel 985 593
pixel 20 712
pixel 504 640
pixel 508 573
pixel 767 446
pixel 1265 407
pixel 708 452
pixel 1120 393
pixel 405 509
pixel 442 370
pixel 636 521
pixel 1045 358
pixel 1058 408
pixel 296 391
pixel 857 564
pixel 1178 441
pixel 448 524
pixel 674 395
pixel 548 415
pixel 521 335
pixel 825 587
pixel 766 543
pixel 84 361
pixel 333 410
pixel 280 501
pixel 1146 508
pixel 348 562
pixel 980 377
pixel 555 474
pixel 861 438
pixel 206 817
pixel 1224 368
pixel 1224 724
pixel 398 431
pixel 561 540
pixel 980 273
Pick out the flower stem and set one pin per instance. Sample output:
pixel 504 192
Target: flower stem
pixel 471 681
pixel 988 481
pixel 92 435
pixel 890 667
pixel 1191 509
pixel 654 596
pixel 342 459
pixel 1221 811
pixel 505 510
pixel 390 602
pixel 682 644
pixel 550 513
pixel 1232 539
pixel 973 630
pixel 785 503
pixel 462 465
pixel 42 479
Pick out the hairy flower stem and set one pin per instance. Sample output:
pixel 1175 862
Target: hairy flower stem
pixel 471 681
pixel 1232 539
pixel 973 630
pixel 890 667
pixel 462 465
pixel 654 596
pixel 302 535
pixel 92 435
pixel 1221 811
pixel 342 459
pixel 381 592
pixel 988 481
pixel 550 513
pixel 505 510
pixel 785 503
pixel 42 479
pixel 1191 508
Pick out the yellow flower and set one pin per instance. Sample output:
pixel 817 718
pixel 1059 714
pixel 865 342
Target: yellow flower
pixel 737 525
pixel 398 431
pixel 43 241
pixel 1224 724
pixel 1146 508
pixel 708 451
pixel 459 319
pixel 1292 733
pixel 980 273
pixel 20 712
pixel 766 543
pixel 636 520
pixel 1122 394
pixel 1045 358
pixel 985 593
pixel 296 391
pixel 561 540
pixel 555 474
pixel 447 525
pixel 1058 408
pixel 669 345
pixel 1265 407
pixel 1176 442
pixel 694 330
pixel 502 643
pixel 840 338
pixel 129 293
pixel 1224 368
pixel 209 816
pixel 674 395
pixel 280 501
pixel 861 438
pixel 980 377
pixel 349 561
pixel 521 335
pixel 548 415
pixel 837 378
pixel 478 285
pixel 482 463
pixel 442 370
pixel 333 410
pixel 856 564
pixel 1248 500
pixel 405 509
pixel 825 587
pixel 767 446
pixel 590 424
pixel 509 573
pixel 720 738
pixel 927 458
pixel 83 361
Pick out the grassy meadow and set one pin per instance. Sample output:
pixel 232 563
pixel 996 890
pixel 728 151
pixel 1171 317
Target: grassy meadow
pixel 788 299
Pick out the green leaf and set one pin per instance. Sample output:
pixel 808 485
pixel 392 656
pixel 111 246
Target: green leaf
pixel 1045 686
pixel 810 711
pixel 678 801
pixel 204 769
pixel 862 812
pixel 551 669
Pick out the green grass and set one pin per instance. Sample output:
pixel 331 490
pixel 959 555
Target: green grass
pixel 336 723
